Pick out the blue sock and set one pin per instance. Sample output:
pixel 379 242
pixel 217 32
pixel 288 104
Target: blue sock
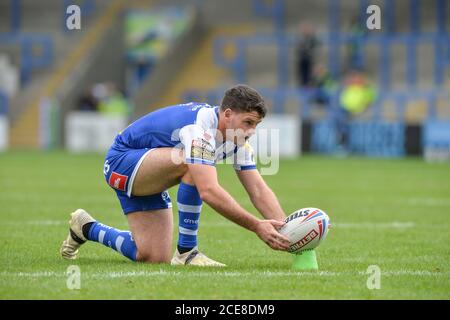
pixel 118 240
pixel 189 207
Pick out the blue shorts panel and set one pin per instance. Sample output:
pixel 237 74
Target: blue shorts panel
pixel 144 203
pixel 119 170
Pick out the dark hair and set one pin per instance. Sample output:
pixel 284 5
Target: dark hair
pixel 242 98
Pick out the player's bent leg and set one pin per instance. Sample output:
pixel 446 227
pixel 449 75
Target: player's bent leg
pixel 148 209
pixel 161 169
pixel 152 232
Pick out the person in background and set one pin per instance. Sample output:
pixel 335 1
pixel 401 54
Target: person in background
pixel 324 84
pixel 114 102
pixel 355 49
pixel 87 102
pixel 105 98
pixel 306 53
pixel 357 95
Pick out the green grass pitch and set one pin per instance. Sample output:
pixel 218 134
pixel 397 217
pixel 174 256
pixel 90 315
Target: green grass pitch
pixel 394 214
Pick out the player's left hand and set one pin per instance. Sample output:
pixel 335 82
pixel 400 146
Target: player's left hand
pixel 267 231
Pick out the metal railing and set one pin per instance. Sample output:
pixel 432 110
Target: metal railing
pixel 277 11
pixel 285 42
pixel 304 99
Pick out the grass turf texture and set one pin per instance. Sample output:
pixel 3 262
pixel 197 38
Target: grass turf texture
pixel 390 213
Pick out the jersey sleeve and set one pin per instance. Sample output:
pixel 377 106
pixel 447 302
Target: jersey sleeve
pixel 199 145
pixel 244 159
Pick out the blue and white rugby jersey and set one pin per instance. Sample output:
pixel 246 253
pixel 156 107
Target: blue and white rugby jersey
pixel 191 126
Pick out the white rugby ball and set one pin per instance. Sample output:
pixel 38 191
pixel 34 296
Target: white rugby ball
pixel 306 228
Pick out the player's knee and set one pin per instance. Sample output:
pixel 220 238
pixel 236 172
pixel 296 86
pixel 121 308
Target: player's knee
pixel 178 157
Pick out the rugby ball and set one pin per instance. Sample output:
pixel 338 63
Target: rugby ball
pixel 305 228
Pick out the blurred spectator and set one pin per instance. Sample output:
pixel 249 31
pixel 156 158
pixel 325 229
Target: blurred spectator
pixel 112 101
pixel 87 102
pixel 356 96
pixel 9 76
pixel 306 52
pixel 358 93
pixel 105 98
pixel 324 84
pixel 355 50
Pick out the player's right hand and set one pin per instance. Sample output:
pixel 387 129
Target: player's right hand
pixel 267 232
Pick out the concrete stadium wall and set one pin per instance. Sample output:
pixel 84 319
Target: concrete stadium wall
pixel 4 133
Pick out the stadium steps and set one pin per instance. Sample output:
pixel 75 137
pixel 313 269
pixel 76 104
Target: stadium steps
pixel 69 50
pixel 200 72
pixel 263 63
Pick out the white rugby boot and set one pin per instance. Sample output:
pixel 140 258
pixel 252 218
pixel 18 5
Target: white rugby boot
pixel 194 258
pixel 69 247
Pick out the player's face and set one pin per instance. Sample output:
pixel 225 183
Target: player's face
pixel 241 126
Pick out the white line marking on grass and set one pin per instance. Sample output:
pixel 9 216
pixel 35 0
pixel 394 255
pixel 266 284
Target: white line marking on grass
pixel 122 274
pixel 343 225
pixel 230 274
pixel 428 202
pixel 38 274
pixel 373 225
pixel 46 223
pixel 40 223
pixel 424 273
